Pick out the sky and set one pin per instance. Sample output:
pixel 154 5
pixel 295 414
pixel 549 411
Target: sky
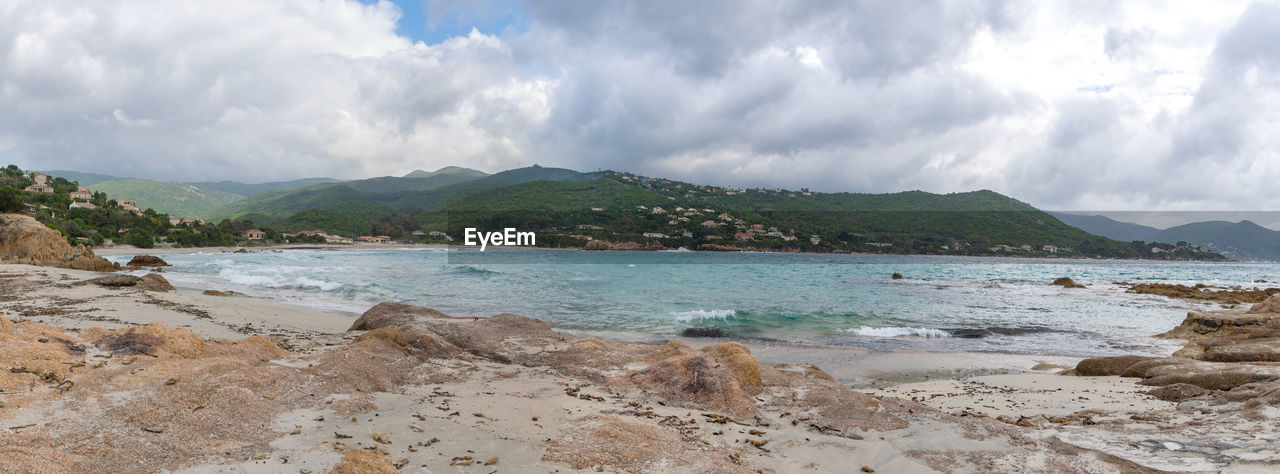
pixel 1067 105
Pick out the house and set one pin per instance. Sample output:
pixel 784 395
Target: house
pixel 589 227
pixel 710 224
pixel 38 189
pixel 128 205
pixel 880 244
pixel 583 237
pixel 1025 247
pixel 788 238
pixel 713 237
pixel 774 233
pixel 40 179
pixel 82 205
pixel 672 222
pixel 374 239
pixel 174 220
pixel 814 240
pixel 742 237
pixel 254 234
pixel 191 221
pixel 82 193
pixel 657 210
pixel 1050 248
pixel 436 233
pixel 418 233
pixel 687 234
pixel 597 209
pixel 655 235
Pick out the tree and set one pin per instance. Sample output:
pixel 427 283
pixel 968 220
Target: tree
pixel 11 200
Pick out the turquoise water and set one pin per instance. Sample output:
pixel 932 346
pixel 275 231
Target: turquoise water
pixel 944 303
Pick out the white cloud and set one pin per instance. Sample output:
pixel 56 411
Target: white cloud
pixel 1067 105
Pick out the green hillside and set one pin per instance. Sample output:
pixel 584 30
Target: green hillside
pixel 85 179
pixel 448 170
pixel 558 202
pixel 186 200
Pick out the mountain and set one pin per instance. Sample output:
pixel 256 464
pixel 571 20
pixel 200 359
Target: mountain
pixel 455 170
pixel 186 200
pixel 245 189
pixel 1108 227
pixel 1242 240
pixel 85 179
pixel 623 206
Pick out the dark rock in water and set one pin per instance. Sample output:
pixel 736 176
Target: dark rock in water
pixel 1067 283
pixel 896 276
pixel 704 332
pixel 147 261
pixel 1177 392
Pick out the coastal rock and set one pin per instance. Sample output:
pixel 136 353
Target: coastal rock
pixel 24 240
pixel 808 395
pixel 1102 366
pixel 153 282
pixel 895 276
pixel 1201 292
pixel 148 282
pixel 1066 282
pixel 1270 305
pixel 608 442
pixel 147 261
pixel 222 293
pixel 693 380
pixel 1177 392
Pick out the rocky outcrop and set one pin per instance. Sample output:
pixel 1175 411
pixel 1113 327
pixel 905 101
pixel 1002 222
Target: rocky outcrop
pixel 1066 282
pixel 147 261
pixel 1270 305
pixel 1227 356
pixel 1201 292
pixel 148 282
pixel 23 240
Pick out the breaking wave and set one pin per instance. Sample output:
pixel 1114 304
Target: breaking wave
pixel 898 332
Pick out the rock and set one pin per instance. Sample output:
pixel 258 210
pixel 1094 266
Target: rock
pixel 1270 305
pixel 222 293
pixel 153 282
pixel 1100 366
pixel 24 240
pixel 147 261
pixel 613 443
pixel 704 332
pixel 1067 283
pixel 359 461
pixel 690 379
pixel 114 281
pixel 1177 392
pixel 896 276
pixel 1202 292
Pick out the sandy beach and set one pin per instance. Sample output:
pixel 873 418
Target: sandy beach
pixel 109 379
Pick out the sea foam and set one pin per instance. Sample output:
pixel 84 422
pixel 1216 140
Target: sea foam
pixel 701 314
pixel 898 332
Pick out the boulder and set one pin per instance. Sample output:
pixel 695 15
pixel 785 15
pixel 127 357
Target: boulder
pixel 113 281
pixel 896 276
pixel 1067 283
pixel 24 240
pixel 153 282
pixel 1100 366
pixel 742 366
pixel 1270 305
pixel 1177 392
pixel 147 261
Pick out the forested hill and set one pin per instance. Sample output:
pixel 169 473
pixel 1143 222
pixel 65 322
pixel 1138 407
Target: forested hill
pixel 569 208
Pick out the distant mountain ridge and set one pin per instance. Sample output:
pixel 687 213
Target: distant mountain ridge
pixel 1242 240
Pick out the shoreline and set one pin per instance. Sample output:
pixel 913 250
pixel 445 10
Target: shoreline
pixel 129 250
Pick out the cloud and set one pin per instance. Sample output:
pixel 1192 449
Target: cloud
pixel 1176 110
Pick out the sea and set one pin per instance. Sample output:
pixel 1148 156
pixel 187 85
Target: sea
pixel 982 304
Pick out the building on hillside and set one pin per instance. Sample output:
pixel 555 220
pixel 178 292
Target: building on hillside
pixel 40 179
pixel 655 235
pixel 174 220
pixel 374 239
pixel 788 238
pixel 128 205
pixel 589 227
pixel 82 205
pixel 742 236
pixel 1050 248
pixel 38 189
pixel 254 234
pixel 82 193
pixel 713 237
